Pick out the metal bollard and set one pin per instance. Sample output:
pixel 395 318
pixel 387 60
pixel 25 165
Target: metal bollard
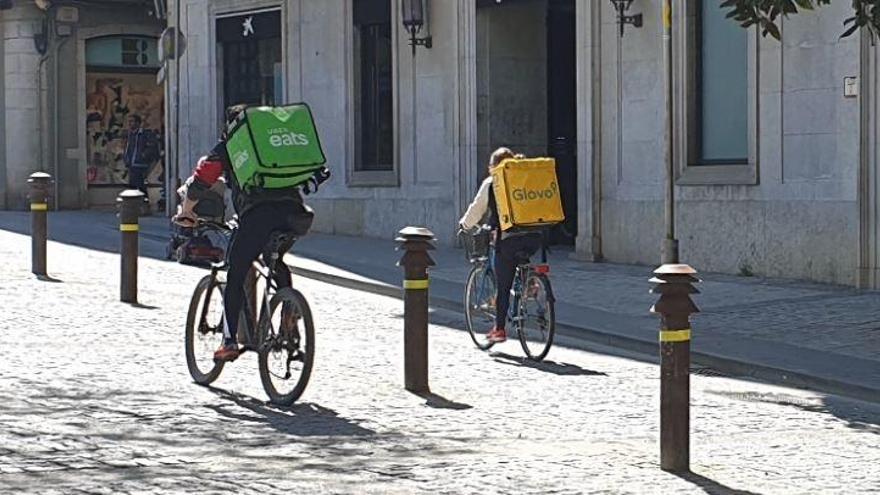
pixel 130 202
pixel 39 199
pixel 416 242
pixel 674 285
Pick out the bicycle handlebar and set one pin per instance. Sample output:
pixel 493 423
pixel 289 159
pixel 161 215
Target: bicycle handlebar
pixel 214 225
pixel 203 223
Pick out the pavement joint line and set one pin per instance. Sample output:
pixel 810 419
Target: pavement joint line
pixel 576 335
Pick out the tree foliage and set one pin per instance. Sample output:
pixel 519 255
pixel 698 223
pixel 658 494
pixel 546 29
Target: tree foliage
pixel 765 13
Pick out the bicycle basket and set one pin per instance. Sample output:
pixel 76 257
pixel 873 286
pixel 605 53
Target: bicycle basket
pixel 476 246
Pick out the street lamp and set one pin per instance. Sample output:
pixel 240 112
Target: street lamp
pixel 622 7
pixel 415 13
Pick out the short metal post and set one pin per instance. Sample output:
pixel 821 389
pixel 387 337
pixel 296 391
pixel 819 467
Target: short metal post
pixel 39 200
pixel 674 285
pixel 416 242
pixel 130 202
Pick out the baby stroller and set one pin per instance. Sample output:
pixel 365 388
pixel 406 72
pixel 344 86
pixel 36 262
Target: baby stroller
pixel 201 245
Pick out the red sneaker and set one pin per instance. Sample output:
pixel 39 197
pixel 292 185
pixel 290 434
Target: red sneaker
pixel 497 335
pixel 227 353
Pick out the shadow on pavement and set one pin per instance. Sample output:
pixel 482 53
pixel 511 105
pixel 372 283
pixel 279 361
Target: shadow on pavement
pixel 91 230
pixel 301 419
pixel 563 369
pixel 144 306
pixel 440 402
pixel 711 487
pixel 857 415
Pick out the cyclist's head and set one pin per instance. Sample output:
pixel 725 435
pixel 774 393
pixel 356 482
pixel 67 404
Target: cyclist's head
pixel 233 112
pixel 499 156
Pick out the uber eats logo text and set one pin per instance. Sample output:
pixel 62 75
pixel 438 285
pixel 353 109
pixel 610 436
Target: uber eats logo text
pixel 281 137
pixel 240 159
pixel 526 194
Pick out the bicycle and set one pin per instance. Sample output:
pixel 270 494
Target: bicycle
pixel 532 306
pixel 283 340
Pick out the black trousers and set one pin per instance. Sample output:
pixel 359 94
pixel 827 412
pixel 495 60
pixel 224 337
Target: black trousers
pixel 509 253
pixel 256 226
pixel 137 178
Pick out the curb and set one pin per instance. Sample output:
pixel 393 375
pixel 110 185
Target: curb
pixel 577 336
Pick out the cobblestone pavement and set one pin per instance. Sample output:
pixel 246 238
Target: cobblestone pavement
pixel 822 317
pixel 95 398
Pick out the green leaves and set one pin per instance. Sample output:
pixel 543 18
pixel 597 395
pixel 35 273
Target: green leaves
pixel 765 13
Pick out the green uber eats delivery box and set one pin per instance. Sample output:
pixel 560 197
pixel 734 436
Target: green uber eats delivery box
pixel 274 147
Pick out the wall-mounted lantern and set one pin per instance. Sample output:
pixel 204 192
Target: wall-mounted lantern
pixel 622 6
pixel 415 17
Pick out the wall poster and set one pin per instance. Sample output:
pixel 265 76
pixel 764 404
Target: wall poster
pixel 110 100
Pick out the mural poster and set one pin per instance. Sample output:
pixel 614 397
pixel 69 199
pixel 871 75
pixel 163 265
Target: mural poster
pixel 110 100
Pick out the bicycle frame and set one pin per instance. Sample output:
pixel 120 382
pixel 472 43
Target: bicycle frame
pixel 250 315
pixel 522 272
pixel 265 272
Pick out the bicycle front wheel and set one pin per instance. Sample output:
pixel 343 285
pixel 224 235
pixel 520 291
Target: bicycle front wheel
pixel 287 347
pixel 479 304
pixel 537 324
pixel 204 331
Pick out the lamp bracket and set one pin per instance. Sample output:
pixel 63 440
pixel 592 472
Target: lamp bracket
pixel 622 6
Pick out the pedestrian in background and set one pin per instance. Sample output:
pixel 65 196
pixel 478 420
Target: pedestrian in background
pixel 141 152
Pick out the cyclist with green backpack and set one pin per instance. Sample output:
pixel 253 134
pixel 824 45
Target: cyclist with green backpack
pixel 266 196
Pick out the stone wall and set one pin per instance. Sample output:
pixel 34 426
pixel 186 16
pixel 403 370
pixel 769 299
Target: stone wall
pixel 800 217
pixel 21 122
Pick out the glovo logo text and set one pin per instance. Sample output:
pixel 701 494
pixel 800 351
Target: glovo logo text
pixel 525 194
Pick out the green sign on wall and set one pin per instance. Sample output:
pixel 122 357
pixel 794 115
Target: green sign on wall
pixel 123 51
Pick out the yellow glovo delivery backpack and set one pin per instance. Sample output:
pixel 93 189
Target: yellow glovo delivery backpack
pixel 527 193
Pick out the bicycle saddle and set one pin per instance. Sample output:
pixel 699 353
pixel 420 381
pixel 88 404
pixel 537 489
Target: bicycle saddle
pixel 279 241
pixel 522 257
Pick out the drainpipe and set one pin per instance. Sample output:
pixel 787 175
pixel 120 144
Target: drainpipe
pixel 56 123
pixel 41 120
pixel 171 197
pixel 49 32
pixel 41 117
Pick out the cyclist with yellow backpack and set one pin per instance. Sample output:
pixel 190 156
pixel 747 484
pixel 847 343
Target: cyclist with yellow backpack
pixel 511 245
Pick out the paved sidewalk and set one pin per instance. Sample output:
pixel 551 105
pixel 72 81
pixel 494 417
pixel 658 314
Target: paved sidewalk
pixel 803 334
pixel 95 398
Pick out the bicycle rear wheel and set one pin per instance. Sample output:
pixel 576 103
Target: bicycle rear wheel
pixel 537 325
pixel 479 303
pixel 287 347
pixel 204 330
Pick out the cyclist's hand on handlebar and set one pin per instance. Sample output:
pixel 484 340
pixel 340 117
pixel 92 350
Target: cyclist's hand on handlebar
pixel 323 175
pixel 320 177
pixel 185 219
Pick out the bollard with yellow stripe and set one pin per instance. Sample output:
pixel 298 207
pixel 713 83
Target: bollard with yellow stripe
pixel 675 335
pixel 39 183
pixel 674 284
pixel 129 202
pixel 416 284
pixel 415 242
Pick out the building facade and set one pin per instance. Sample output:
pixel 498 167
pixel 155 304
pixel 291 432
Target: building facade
pixel 73 74
pixel 775 142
